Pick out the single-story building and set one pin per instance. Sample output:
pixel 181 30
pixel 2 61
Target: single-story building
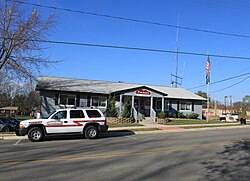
pixel 147 100
pixel 8 110
pixel 219 110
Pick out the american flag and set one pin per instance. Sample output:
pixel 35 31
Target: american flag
pixel 208 70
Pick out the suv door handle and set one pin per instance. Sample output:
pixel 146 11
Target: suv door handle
pixel 65 121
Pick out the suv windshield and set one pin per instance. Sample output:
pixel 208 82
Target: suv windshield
pixel 46 117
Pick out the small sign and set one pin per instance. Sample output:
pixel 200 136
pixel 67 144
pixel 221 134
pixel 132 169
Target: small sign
pixel 143 92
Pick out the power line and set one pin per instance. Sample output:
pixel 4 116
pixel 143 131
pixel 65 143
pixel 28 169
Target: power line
pixel 231 85
pixel 134 48
pixel 227 5
pixel 219 81
pixel 135 20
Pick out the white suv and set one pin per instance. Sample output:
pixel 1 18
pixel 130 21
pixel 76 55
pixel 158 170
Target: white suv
pixel 88 122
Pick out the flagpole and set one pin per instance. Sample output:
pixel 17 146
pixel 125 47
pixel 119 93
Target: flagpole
pixel 208 84
pixel 208 111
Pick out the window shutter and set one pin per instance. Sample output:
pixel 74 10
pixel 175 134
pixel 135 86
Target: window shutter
pixel 192 106
pixel 178 105
pixel 78 101
pixel 56 99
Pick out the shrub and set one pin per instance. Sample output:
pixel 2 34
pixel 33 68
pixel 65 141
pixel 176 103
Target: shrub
pixel 180 115
pixel 192 116
pixel 161 115
pixel 171 115
pixel 126 110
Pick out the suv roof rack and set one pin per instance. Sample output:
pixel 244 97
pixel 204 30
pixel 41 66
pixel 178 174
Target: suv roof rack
pixel 62 106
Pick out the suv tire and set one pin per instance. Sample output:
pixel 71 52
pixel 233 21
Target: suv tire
pixel 91 132
pixel 35 134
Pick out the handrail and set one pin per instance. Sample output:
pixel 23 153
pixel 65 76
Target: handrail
pixel 153 114
pixel 134 114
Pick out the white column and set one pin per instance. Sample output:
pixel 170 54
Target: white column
pixel 151 105
pixel 132 104
pixel 162 104
pixel 120 111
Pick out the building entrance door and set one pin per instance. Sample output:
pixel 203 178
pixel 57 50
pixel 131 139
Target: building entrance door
pixel 142 105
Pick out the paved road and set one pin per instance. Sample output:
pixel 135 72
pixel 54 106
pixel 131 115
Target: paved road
pixel 205 155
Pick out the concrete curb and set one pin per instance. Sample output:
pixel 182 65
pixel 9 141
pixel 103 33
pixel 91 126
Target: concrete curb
pixel 12 137
pixel 191 130
pixel 178 130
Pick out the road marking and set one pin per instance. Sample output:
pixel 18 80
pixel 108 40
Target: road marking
pixel 132 137
pixel 18 141
pixel 117 154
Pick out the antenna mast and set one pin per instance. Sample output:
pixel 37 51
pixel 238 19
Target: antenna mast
pixel 175 79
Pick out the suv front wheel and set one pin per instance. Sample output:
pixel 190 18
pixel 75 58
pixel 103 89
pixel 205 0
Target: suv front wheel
pixel 91 132
pixel 35 134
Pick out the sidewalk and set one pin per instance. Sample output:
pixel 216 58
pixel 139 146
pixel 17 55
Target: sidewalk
pixel 178 128
pixel 147 125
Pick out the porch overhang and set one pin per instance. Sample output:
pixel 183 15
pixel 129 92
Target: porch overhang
pixel 142 92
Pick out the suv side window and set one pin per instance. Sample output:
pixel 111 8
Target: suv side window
pixel 60 115
pixel 93 114
pixel 76 114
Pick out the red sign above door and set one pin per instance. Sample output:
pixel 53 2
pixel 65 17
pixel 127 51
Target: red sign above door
pixel 143 92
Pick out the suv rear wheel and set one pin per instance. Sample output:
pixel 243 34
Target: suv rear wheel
pixel 35 134
pixel 91 132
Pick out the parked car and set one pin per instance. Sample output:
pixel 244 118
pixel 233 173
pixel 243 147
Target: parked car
pixel 13 120
pixel 235 116
pixel 6 125
pixel 88 122
pixel 222 117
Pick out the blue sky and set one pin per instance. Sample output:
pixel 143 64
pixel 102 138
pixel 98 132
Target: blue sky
pixel 152 67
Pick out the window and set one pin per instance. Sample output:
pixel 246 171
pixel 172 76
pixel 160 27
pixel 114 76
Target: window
pixel 102 101
pixel 99 101
pixel 158 103
pixel 67 99
pixel 93 114
pixel 76 114
pixel 166 104
pixel 186 106
pixel 95 101
pixel 60 115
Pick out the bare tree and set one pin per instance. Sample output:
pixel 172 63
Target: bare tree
pixel 21 54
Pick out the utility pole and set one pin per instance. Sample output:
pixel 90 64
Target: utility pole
pixel 215 106
pixel 228 102
pixel 225 99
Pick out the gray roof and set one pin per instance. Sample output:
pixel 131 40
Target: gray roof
pixel 106 87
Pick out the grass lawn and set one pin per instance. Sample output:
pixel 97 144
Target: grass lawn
pixel 113 125
pixel 191 121
pixel 145 129
pixel 21 118
pixel 7 133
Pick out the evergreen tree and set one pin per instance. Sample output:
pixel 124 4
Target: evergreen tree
pixel 111 109
pixel 126 110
